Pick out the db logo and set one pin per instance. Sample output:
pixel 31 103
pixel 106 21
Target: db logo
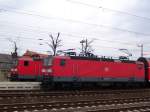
pixel 106 69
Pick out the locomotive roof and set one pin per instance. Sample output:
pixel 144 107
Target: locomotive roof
pixel 95 59
pixel 62 57
pixel 102 59
pixel 25 58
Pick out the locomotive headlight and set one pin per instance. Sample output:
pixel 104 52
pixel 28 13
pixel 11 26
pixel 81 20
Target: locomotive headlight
pixel 12 69
pixel 43 70
pixel 49 70
pixel 15 70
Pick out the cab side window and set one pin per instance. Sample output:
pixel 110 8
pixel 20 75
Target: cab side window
pixel 26 63
pixel 62 62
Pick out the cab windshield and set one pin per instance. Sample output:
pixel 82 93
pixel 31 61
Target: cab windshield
pixel 48 61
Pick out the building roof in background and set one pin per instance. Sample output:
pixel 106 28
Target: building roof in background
pixel 5 58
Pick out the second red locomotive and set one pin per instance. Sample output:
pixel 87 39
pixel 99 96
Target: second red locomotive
pixel 70 69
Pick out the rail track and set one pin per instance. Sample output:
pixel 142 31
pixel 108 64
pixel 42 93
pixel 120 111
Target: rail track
pixel 67 101
pixel 73 92
pixel 100 105
pixel 68 95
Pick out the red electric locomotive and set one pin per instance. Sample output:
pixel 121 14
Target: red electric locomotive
pixel 59 70
pixel 76 69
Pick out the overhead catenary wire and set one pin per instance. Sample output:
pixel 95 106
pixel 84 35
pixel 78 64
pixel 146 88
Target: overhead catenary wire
pixel 74 21
pixel 101 46
pixel 75 35
pixel 126 43
pixel 108 9
pixel 133 32
pixel 95 45
pixel 105 40
pixel 94 6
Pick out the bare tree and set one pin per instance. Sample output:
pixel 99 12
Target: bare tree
pixel 54 43
pixel 86 46
pixel 15 51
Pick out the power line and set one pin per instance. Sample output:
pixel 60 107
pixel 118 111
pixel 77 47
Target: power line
pixel 77 35
pixel 108 9
pixel 97 46
pixel 80 36
pixel 68 42
pixel 77 21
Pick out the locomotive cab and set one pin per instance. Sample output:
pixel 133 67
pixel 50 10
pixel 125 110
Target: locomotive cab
pixel 27 68
pixel 47 68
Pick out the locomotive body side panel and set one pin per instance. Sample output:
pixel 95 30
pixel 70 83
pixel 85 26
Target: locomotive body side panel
pixel 29 69
pixel 70 70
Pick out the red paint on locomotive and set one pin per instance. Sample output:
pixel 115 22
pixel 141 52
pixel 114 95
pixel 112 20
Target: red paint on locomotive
pixel 81 69
pixel 28 67
pixel 69 69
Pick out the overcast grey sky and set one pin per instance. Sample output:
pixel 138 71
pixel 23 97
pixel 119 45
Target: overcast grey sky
pixel 114 24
